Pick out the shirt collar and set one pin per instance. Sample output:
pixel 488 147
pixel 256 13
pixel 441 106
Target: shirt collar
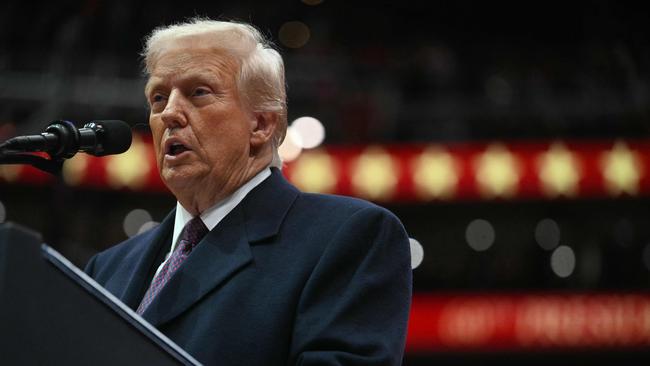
pixel 213 215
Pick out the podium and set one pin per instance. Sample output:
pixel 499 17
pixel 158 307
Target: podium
pixel 51 313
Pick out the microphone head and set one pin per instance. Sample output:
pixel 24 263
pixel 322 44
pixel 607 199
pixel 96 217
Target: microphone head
pixel 115 136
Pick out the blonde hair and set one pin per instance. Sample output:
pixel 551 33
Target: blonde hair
pixel 260 80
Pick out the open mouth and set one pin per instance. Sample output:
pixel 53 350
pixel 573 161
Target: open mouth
pixel 176 148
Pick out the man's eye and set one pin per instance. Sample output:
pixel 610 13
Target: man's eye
pixel 201 91
pixel 157 98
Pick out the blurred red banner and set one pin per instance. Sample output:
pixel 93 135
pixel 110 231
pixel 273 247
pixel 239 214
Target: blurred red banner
pixel 500 322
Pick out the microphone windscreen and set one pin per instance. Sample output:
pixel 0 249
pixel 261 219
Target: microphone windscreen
pixel 117 136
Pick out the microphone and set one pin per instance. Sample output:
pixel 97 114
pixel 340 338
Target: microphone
pixel 62 139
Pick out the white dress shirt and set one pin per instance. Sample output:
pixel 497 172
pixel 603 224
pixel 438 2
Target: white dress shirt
pixel 213 215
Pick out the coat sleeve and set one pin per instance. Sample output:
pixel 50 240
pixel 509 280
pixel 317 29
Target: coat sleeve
pixel 354 307
pixel 90 266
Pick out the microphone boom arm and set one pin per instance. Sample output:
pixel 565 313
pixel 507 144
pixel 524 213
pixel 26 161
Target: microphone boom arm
pixel 52 166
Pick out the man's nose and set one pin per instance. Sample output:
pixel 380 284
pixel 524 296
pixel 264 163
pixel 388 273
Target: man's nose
pixel 174 114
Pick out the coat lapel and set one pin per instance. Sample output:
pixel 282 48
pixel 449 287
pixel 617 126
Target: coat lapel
pixel 136 268
pixel 221 253
pixel 225 250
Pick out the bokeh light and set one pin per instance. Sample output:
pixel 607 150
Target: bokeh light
pixel 417 253
pixel 291 146
pixel 147 226
pixel 563 261
pixel 294 34
pixel 547 234
pixel 311 131
pixel 480 235
pixel 134 220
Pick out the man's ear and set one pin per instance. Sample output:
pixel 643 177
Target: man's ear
pixel 263 128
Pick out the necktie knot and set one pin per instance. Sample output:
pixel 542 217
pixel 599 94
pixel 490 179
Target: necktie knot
pixel 192 234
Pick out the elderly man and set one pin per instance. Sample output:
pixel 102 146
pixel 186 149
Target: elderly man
pixel 247 270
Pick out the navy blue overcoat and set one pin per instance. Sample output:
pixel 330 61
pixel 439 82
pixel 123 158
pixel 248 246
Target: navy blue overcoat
pixel 287 278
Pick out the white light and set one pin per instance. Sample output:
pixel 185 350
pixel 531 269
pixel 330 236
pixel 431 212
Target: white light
pixel 480 235
pixel 134 220
pixel 3 212
pixel 147 226
pixel 563 261
pixel 547 234
pixel 311 131
pixel 417 253
pixel 291 146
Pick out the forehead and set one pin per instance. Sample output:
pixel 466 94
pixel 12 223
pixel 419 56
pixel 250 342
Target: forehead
pixel 189 63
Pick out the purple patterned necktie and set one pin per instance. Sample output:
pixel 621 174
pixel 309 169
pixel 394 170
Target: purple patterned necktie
pixel 192 234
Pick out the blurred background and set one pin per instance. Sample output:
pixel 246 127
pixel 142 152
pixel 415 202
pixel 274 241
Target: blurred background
pixel 511 138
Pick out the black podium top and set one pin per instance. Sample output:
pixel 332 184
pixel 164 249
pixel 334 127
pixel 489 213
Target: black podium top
pixel 51 313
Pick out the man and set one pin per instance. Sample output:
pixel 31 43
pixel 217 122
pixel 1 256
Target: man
pixel 247 270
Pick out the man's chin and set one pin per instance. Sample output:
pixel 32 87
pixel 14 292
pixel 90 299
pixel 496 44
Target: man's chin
pixel 179 178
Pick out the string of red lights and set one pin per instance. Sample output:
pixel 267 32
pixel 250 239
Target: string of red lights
pixel 408 173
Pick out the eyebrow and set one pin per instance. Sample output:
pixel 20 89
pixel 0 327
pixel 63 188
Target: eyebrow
pixel 193 76
pixel 149 86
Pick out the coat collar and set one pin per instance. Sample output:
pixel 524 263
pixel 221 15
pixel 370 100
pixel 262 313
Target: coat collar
pixel 266 206
pixel 226 249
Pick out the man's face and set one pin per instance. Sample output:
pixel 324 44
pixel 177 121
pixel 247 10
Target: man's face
pixel 201 129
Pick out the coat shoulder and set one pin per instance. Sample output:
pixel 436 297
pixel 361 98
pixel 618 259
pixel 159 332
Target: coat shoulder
pixel 322 216
pixel 339 207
